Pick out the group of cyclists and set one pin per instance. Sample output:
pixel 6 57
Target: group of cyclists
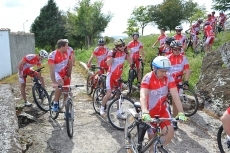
pixel 167 71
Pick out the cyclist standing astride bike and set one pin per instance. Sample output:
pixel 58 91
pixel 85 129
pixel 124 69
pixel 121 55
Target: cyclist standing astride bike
pixel 210 36
pixel 179 66
pixel 161 39
pixel 136 49
pixel 115 61
pixel 225 119
pixel 167 50
pixel 195 31
pixel 100 53
pixel 222 19
pixel 24 66
pixel 60 64
pixel 180 37
pixel 153 94
pixel 214 21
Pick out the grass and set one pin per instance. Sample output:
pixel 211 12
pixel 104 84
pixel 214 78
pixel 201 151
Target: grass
pixel 147 41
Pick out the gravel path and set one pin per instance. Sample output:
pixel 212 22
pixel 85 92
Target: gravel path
pixel 94 134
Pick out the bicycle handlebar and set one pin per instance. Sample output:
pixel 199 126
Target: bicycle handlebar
pixel 32 72
pixel 69 86
pixel 93 67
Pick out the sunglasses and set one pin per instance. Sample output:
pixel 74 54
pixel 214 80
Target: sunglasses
pixel 176 49
pixel 178 30
pixel 121 46
pixel 101 44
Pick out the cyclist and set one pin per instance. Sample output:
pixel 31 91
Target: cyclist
pixel 179 67
pixel 115 61
pixel 167 50
pixel 60 65
pixel 24 68
pixel 214 20
pixel 153 94
pixel 222 19
pixel 210 36
pixel 180 37
pixel 136 49
pixel 100 53
pixel 195 31
pixel 225 119
pixel 72 52
pixel 161 39
pixel 209 19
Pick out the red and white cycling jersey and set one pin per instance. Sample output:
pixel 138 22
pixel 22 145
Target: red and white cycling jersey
pixel 157 91
pixel 214 19
pixel 60 60
pixel 195 28
pixel 222 18
pixel 31 60
pixel 181 38
pixel 208 30
pixel 101 54
pixel 179 64
pixel 135 47
pixel 168 51
pixel 162 39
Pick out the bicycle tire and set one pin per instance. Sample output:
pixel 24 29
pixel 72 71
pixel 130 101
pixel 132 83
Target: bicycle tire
pixel 189 102
pixel 53 114
pixel 221 140
pixel 43 97
pixel 69 117
pixel 126 104
pixel 131 79
pixel 97 99
pixel 89 85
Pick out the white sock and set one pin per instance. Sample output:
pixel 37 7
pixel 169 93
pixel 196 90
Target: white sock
pixel 55 102
pixel 102 108
pixel 228 137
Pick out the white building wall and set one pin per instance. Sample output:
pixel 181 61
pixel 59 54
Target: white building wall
pixel 5 59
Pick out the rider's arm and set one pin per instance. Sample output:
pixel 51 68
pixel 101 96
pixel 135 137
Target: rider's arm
pixel 20 64
pixel 52 73
pixel 70 66
pixel 109 61
pixel 143 99
pixel 142 53
pixel 90 59
pixel 129 59
pixel 187 74
pixel 176 99
pixel 155 43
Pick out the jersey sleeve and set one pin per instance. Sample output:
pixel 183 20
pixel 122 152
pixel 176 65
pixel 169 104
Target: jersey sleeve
pixel 186 64
pixel 51 58
pixel 146 80
pixel 171 82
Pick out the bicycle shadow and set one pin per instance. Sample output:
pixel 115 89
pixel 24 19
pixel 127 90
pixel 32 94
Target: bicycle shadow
pixel 59 142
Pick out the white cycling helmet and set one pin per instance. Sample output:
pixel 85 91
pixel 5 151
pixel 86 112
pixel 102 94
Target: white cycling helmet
pixel 43 53
pixel 66 40
pixel 178 28
pixel 161 62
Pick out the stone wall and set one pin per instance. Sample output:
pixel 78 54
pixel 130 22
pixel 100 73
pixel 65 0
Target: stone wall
pixel 214 81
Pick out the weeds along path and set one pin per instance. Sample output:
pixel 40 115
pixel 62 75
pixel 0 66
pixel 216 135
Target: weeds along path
pixel 94 134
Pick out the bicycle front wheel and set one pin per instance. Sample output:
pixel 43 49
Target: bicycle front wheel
pixel 69 117
pixel 98 95
pixel 118 110
pixel 222 140
pixel 41 97
pixel 130 80
pixel 89 85
pixel 189 102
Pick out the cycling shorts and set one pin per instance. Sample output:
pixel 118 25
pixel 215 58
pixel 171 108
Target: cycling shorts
pixel 27 72
pixel 228 110
pixel 209 40
pixel 58 77
pixel 194 37
pixel 105 67
pixel 112 81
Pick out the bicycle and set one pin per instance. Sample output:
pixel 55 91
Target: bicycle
pixel 92 80
pixel 188 99
pixel 135 131
pixel 40 95
pixel 223 144
pixel 219 28
pixel 67 101
pixel 119 106
pixel 133 73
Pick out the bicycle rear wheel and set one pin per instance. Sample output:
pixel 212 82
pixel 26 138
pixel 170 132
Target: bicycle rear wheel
pixel 41 97
pixel 222 140
pixel 189 102
pixel 89 85
pixel 117 108
pixel 98 95
pixel 69 117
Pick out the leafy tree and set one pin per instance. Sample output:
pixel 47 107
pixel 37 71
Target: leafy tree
pixel 48 27
pixel 221 5
pixel 140 16
pixel 88 21
pixel 132 27
pixel 199 13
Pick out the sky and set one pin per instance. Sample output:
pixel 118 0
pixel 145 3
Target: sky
pixel 18 15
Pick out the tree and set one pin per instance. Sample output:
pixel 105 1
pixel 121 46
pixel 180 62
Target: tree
pixel 167 14
pixel 48 27
pixel 140 16
pixel 221 5
pixel 88 20
pixel 132 27
pixel 199 13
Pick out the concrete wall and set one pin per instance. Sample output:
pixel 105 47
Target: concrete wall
pixel 14 45
pixel 21 44
pixel 5 62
